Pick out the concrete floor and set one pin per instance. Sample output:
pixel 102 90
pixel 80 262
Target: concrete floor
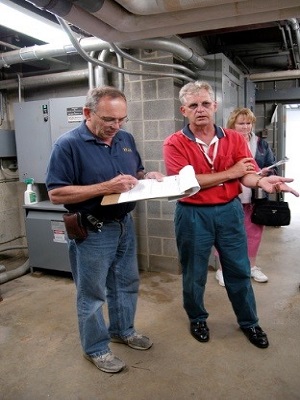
pixel 41 358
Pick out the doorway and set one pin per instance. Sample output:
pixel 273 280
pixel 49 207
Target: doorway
pixel 292 167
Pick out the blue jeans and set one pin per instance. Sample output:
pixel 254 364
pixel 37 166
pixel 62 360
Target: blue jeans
pixel 198 229
pixel 104 267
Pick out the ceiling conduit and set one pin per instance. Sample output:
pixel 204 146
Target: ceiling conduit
pixel 153 64
pixel 111 67
pixel 108 21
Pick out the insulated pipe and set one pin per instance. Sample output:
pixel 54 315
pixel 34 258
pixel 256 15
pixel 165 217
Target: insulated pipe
pixel 6 276
pixel 149 63
pixel 46 80
pixel 274 76
pixel 100 73
pixel 296 28
pixel 15 273
pixel 283 37
pixel 288 29
pixel 91 73
pixel 101 77
pixel 120 19
pixel 99 28
pixel 203 18
pixel 145 7
pixel 111 67
pixel 171 45
pixel 121 80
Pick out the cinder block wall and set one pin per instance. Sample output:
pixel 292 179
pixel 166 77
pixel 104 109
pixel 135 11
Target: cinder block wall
pixel 153 111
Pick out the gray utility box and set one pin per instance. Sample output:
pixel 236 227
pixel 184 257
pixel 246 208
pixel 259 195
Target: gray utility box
pixel 37 125
pixel 228 83
pixel 46 237
pixel 7 143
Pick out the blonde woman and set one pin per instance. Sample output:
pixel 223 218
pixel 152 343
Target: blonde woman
pixel 242 121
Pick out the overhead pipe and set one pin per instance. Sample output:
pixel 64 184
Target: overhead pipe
pixel 204 18
pixel 171 45
pixel 283 36
pixel 145 7
pixel 121 80
pixel 111 67
pixel 101 76
pixel 149 63
pixel 296 28
pixel 111 13
pixel 274 76
pixel 91 73
pixel 100 73
pixel 46 80
pixel 288 29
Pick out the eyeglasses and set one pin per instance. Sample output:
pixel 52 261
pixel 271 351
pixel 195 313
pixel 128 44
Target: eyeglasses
pixel 112 121
pixel 204 104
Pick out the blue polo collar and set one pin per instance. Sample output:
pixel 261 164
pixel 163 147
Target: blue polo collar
pixel 87 135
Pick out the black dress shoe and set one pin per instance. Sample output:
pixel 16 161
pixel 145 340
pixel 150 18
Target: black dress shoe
pixel 256 336
pixel 200 331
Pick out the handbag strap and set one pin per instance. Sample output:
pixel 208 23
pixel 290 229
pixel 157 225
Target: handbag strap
pixel 279 196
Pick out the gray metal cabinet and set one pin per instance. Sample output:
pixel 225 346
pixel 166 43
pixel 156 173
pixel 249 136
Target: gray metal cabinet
pixel 37 125
pixel 46 237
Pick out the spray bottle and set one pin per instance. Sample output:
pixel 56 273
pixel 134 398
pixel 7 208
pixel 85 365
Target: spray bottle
pixel 30 195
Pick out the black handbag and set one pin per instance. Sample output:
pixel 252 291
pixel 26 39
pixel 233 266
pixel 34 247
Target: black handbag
pixel 271 212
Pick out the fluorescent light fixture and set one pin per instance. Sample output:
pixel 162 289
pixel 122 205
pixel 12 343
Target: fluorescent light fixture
pixel 24 21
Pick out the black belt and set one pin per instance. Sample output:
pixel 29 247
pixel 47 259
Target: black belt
pixel 95 224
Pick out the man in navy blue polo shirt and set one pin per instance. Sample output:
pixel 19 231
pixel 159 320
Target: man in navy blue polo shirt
pixel 93 160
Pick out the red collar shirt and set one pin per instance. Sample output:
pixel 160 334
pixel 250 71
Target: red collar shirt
pixel 181 149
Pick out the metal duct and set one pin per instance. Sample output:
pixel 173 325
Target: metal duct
pixel 146 7
pixel 108 22
pixel 112 14
pixel 61 7
pixel 171 45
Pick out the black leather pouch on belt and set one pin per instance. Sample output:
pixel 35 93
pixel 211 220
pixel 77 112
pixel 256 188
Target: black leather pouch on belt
pixel 74 226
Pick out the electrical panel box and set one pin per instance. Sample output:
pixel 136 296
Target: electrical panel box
pixel 7 143
pixel 37 126
pixel 227 82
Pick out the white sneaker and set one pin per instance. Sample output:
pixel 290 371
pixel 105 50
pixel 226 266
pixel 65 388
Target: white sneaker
pixel 107 362
pixel 257 275
pixel 219 277
pixel 135 341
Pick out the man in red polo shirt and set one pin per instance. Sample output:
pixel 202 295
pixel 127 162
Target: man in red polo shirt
pixel 214 216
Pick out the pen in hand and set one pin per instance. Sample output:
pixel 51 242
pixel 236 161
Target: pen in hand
pixel 131 184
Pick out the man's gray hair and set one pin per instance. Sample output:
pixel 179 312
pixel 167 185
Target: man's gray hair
pixel 193 88
pixel 95 95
